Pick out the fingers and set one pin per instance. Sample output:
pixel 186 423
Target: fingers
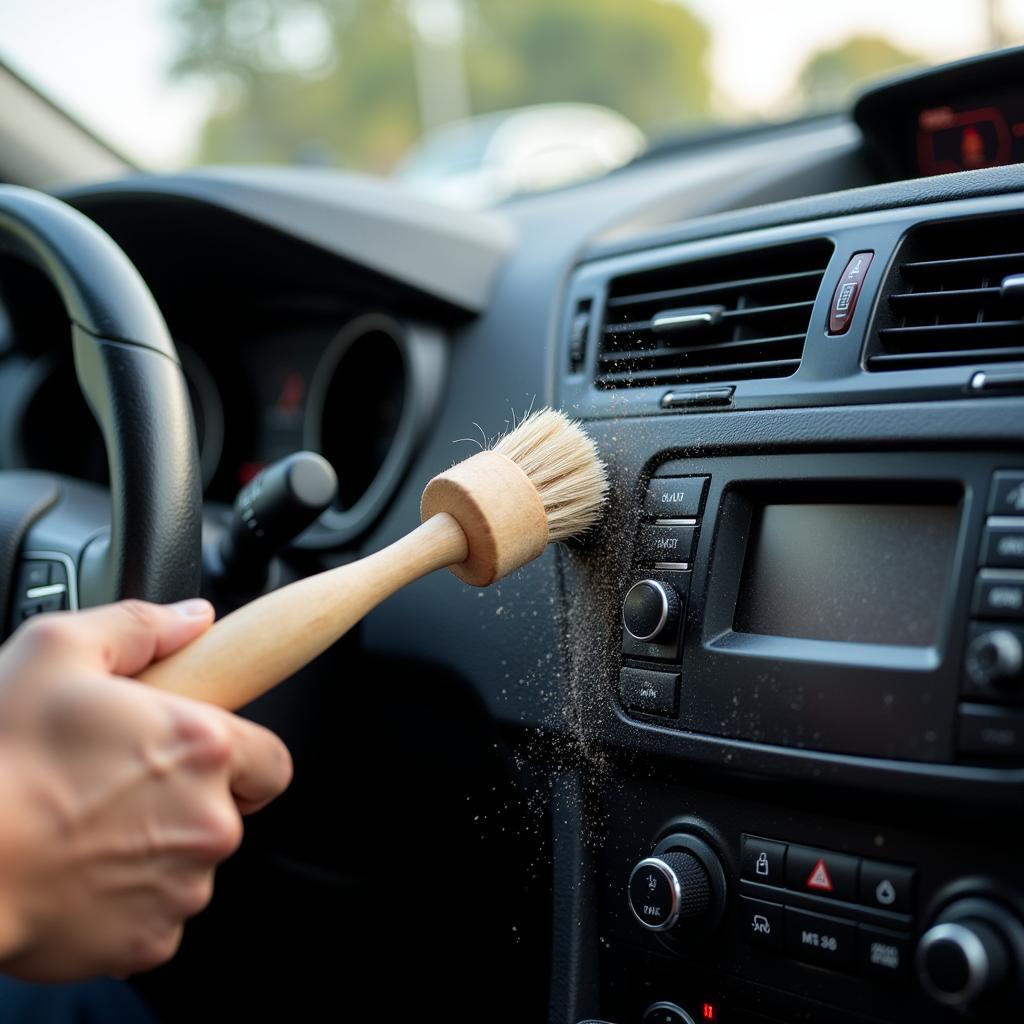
pixel 121 638
pixel 260 768
pixel 257 763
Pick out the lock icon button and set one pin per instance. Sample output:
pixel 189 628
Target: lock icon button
pixel 762 860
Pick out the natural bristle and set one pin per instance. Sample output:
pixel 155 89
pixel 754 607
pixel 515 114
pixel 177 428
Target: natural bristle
pixel 561 461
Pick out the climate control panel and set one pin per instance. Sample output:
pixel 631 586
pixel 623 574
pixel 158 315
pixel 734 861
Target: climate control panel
pixel 828 908
pixel 760 924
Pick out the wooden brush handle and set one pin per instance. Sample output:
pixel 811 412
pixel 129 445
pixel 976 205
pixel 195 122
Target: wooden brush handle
pixel 256 647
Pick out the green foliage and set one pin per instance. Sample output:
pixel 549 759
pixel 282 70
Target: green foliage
pixel 831 77
pixel 334 80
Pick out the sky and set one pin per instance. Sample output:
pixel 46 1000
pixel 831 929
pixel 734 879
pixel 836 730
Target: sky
pixel 106 61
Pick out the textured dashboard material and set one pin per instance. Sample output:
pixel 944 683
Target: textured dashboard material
pixel 893 195
pixel 452 254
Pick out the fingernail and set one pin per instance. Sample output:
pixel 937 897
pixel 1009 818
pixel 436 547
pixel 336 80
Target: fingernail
pixel 194 608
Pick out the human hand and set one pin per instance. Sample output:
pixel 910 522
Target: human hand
pixel 118 800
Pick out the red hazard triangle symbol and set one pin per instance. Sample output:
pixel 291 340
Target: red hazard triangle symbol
pixel 818 878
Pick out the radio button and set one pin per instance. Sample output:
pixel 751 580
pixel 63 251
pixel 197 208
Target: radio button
pixel 822 873
pixel 887 886
pixel 760 923
pixel 1002 544
pixel 883 954
pixel 675 497
pixel 763 861
pixel 666 545
pixel 1007 495
pixel 817 939
pixel 999 594
pixel 990 730
pixel 650 693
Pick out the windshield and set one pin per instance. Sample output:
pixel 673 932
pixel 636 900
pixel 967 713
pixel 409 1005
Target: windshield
pixel 472 100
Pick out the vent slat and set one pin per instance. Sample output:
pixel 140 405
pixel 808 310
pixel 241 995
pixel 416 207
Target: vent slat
pixel 943 303
pixel 928 330
pixel 955 357
pixel 665 353
pixel 729 371
pixel 710 289
pixel 762 302
pixel 733 314
pixel 958 294
pixel 963 261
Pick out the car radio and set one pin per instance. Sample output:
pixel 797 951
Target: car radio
pixel 852 603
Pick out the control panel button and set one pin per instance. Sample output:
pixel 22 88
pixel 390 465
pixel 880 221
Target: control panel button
pixel 992 731
pixel 675 497
pixel 760 923
pixel 650 611
pixel 999 594
pixel 654 895
pixel 844 299
pixel 762 860
pixel 651 693
pixel 1002 543
pixel 994 662
pixel 666 1013
pixel 669 889
pixel 666 545
pixel 1006 498
pixel 887 886
pixel 822 872
pixel 817 939
pixel 883 954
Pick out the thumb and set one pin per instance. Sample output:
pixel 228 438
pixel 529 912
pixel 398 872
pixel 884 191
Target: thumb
pixel 124 638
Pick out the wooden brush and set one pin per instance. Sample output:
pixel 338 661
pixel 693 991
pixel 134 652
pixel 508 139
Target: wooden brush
pixel 483 519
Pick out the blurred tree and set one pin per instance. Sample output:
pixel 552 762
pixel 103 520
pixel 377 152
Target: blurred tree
pixel 335 81
pixel 831 77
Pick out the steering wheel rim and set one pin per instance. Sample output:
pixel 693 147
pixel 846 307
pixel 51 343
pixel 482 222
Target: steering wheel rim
pixel 128 370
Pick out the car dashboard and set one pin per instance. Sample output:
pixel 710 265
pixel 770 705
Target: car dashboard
pixel 786 670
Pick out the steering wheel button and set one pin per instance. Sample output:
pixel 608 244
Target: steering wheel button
pixel 32 575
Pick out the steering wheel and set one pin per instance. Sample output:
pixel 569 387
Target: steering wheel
pixel 142 538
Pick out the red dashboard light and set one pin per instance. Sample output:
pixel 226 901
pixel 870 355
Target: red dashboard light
pixel 710 1011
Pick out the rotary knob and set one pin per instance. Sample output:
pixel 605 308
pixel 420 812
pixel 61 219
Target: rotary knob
pixel 650 611
pixel 668 889
pixel 970 954
pixel 996 659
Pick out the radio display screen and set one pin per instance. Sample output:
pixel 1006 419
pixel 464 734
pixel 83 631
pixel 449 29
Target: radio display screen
pixel 876 574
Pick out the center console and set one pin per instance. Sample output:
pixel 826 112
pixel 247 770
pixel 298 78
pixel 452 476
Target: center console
pixel 797 645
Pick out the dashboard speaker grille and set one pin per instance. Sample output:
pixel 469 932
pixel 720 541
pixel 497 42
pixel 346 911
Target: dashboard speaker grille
pixel 954 298
pixel 738 317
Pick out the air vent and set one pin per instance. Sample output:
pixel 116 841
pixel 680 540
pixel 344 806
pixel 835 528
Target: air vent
pixel 955 298
pixel 738 317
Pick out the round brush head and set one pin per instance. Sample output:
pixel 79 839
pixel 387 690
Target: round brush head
pixel 540 482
